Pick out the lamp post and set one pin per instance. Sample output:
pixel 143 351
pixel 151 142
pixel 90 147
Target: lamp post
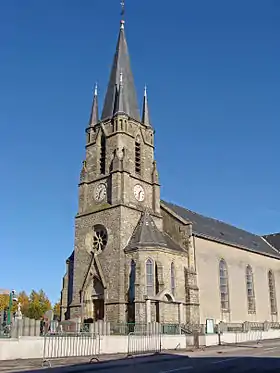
pixel 12 299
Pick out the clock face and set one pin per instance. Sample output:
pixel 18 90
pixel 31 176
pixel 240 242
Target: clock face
pixel 139 193
pixel 100 192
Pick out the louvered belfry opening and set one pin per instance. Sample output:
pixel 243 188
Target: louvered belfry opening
pixel 137 156
pixel 103 155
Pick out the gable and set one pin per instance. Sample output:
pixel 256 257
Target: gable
pixel 216 230
pixel 94 270
pixel 273 239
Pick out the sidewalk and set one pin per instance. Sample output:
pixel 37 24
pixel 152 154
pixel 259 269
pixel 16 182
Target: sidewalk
pixel 35 364
pixel 73 365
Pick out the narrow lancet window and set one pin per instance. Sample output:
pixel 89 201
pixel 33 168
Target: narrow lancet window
pixel 150 286
pixel 103 155
pixel 88 137
pixel 224 291
pixel 272 293
pixel 172 278
pixel 137 155
pixel 250 290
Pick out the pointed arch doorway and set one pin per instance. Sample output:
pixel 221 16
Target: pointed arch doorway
pixel 98 299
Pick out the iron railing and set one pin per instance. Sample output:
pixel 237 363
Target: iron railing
pixel 274 325
pixel 107 328
pixel 234 327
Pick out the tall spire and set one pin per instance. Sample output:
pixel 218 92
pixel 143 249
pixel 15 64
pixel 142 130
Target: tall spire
pixel 145 112
pixel 94 118
pixel 121 64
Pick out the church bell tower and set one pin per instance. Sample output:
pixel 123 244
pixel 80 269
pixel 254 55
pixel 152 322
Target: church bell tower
pixel 118 187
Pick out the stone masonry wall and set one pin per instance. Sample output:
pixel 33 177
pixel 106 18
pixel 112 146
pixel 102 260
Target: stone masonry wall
pixel 111 212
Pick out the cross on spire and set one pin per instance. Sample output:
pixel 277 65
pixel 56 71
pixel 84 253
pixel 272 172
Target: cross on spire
pixel 123 7
pixel 122 14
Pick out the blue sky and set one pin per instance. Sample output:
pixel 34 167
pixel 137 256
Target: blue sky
pixel 212 70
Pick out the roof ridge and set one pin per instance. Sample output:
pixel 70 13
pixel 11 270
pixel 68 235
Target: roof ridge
pixel 271 234
pixel 274 248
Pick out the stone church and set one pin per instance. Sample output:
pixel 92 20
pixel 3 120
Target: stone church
pixel 139 259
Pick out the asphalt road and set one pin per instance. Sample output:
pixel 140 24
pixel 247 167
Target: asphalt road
pixel 245 359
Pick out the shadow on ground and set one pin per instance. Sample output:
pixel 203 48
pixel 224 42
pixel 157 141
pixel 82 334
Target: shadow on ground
pixel 159 363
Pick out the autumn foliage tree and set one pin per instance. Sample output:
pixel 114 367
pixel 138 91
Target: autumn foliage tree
pixel 23 299
pixel 33 306
pixel 56 310
pixel 4 301
pixel 39 304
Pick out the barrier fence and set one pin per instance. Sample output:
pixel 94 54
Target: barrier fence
pixel 255 336
pixel 143 343
pixel 71 345
pixel 5 331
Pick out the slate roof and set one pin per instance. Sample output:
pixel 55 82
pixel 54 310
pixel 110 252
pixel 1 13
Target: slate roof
pixel 146 234
pixel 273 239
pixel 225 233
pixel 121 64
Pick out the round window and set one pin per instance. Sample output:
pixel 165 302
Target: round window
pixel 100 238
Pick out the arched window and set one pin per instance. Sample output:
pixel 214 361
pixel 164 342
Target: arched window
pixel 272 293
pixel 250 290
pixel 137 155
pixel 172 278
pixel 224 291
pixel 103 154
pixel 150 285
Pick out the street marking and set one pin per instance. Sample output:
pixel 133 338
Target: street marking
pixel 189 367
pixel 270 348
pixel 225 360
pixel 176 369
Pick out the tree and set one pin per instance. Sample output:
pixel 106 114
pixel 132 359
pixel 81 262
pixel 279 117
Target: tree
pixel 39 304
pixel 4 301
pixel 23 299
pixel 33 306
pixel 56 310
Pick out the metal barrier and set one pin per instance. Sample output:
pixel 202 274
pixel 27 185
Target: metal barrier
pixel 143 343
pixel 5 331
pixel 255 336
pixel 68 345
pixel 249 338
